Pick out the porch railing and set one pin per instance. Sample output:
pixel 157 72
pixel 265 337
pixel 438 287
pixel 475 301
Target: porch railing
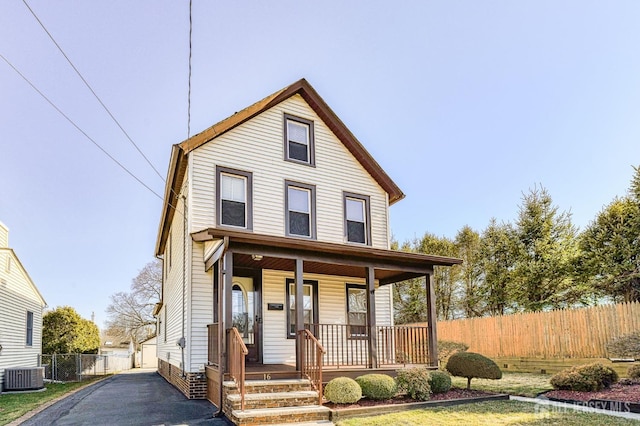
pixel 213 356
pixel 348 346
pixel 311 362
pixel 237 351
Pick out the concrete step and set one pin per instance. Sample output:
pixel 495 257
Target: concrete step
pixel 280 415
pixel 273 400
pixel 269 386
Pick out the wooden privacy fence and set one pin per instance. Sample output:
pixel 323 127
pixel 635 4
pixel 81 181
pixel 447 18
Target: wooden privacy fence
pixel 566 333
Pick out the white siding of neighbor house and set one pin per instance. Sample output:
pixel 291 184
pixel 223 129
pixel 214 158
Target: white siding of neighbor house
pixel 332 309
pixel 17 297
pixel 257 146
pixel 175 294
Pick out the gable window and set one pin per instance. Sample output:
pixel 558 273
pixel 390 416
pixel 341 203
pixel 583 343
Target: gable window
pixel 309 304
pixel 357 310
pixel 298 140
pixel 300 200
pixel 234 198
pixel 357 219
pixel 29 328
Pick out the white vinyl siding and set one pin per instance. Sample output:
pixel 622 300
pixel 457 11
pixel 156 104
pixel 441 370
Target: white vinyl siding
pixel 336 171
pixel 201 309
pixel 332 309
pixel 18 296
pixel 173 293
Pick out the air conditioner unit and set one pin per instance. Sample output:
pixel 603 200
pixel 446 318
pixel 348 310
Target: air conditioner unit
pixel 25 378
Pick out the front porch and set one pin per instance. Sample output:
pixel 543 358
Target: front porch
pixel 333 322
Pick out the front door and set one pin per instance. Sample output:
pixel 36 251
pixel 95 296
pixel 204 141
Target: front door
pixel 246 314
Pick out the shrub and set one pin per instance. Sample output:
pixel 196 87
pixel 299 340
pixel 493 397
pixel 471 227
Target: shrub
pixel 634 372
pixel 585 378
pixel 472 365
pixel 439 381
pixel 343 390
pixel 627 346
pixel 377 386
pixel 603 375
pixel 446 348
pixel 572 380
pixel 415 382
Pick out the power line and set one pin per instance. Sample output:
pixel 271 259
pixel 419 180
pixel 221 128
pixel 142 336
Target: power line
pixel 189 92
pixel 78 127
pixel 94 93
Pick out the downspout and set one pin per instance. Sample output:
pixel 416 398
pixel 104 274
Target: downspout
pixel 221 334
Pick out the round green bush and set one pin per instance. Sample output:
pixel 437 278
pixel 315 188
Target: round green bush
pixel 415 382
pixel 343 390
pixel 377 386
pixel 472 365
pixel 439 381
pixel 585 378
pixel 634 372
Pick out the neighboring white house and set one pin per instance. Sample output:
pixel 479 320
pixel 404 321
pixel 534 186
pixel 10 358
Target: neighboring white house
pixel 21 308
pixel 275 220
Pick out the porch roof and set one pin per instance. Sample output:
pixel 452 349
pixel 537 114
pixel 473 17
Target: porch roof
pixel 279 253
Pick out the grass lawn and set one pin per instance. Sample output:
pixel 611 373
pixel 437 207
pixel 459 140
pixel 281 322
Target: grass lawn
pixel 14 405
pixel 493 413
pixel 521 384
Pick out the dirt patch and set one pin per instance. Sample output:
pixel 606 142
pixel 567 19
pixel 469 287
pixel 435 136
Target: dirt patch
pixel 453 394
pixel 617 392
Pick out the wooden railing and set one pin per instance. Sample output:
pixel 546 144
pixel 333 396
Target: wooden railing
pixel 348 346
pixel 213 356
pixel 237 352
pixel 311 362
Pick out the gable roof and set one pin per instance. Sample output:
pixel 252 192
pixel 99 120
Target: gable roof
pixel 24 272
pixel 178 162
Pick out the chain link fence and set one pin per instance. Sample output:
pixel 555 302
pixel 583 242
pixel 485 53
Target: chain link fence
pixel 78 367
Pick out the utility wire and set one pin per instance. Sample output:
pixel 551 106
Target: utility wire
pixel 189 92
pixel 78 128
pixel 94 93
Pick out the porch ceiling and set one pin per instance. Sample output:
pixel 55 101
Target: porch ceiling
pixel 324 258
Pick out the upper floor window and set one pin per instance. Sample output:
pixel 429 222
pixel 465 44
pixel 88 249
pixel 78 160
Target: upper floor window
pixel 357 219
pixel 298 140
pixel 234 198
pixel 29 328
pixel 300 200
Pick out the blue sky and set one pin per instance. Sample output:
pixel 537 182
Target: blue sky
pixel 465 104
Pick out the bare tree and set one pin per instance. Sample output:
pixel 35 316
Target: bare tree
pixel 130 314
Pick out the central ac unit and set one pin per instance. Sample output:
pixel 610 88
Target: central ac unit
pixel 23 378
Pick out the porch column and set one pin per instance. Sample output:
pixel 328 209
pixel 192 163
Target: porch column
pixel 226 314
pixel 299 302
pixel 371 317
pixel 432 319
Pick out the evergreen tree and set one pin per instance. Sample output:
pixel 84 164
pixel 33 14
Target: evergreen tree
pixel 497 263
pixel 611 247
pixel 65 331
pixel 467 242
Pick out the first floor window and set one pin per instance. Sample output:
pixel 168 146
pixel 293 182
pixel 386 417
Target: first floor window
pixel 300 200
pixel 357 310
pixel 29 328
pixel 309 302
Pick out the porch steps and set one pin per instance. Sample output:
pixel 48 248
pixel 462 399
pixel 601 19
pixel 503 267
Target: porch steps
pixel 274 402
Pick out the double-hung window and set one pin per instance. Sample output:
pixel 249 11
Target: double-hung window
pixel 234 198
pixel 300 209
pixel 357 219
pixel 29 341
pixel 298 140
pixel 357 310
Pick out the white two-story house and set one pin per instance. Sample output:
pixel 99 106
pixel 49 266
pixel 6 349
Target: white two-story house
pixel 275 239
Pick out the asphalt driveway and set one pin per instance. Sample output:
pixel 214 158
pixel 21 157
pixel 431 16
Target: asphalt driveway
pixel 137 397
